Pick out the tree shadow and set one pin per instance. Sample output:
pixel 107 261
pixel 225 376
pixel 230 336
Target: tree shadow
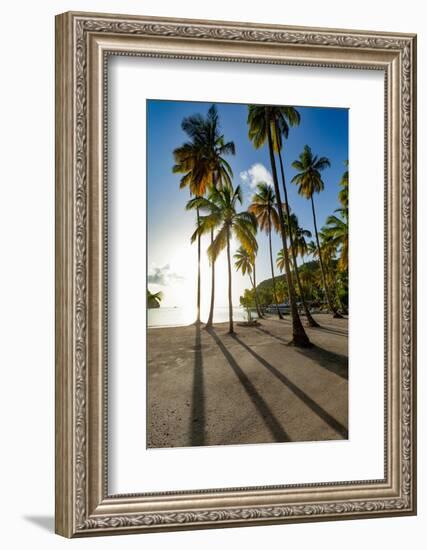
pixel 332 330
pixel 279 338
pixel 315 407
pixel 197 418
pixel 329 360
pixel 266 414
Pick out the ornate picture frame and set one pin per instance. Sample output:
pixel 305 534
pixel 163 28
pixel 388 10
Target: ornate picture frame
pixel 83 43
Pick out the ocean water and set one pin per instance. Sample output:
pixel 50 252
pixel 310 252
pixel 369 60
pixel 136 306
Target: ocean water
pixel 176 317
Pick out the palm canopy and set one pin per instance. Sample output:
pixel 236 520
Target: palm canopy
pixel 263 206
pixel 280 260
pixel 336 234
pixel 154 299
pixel 343 194
pixel 328 246
pixel 221 214
pixel 312 249
pixel 308 178
pixel 244 260
pixel 280 118
pixel 300 242
pixel 298 233
pixel 201 159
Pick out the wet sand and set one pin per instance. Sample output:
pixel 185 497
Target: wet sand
pixel 211 388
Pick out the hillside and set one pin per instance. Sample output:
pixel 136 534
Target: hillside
pixel 267 284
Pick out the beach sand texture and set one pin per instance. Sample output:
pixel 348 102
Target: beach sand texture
pixel 210 388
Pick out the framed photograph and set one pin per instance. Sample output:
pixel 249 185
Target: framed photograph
pixel 235 274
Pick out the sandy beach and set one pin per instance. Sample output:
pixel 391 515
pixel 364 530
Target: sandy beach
pixel 210 388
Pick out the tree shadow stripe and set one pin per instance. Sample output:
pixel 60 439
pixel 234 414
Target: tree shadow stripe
pixel 333 362
pixel 197 418
pixel 267 416
pixel 315 407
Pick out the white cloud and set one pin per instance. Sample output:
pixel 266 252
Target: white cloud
pixel 257 173
pixel 163 275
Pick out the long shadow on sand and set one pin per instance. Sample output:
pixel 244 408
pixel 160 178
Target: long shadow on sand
pixel 322 328
pixel 317 409
pixel 265 331
pixel 266 414
pixel 331 330
pixel 197 419
pixel 329 360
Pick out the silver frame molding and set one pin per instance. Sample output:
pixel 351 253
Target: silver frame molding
pixel 83 43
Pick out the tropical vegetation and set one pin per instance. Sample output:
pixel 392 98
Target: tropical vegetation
pixel 153 299
pixel 319 284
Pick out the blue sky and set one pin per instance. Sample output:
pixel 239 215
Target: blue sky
pixel 170 225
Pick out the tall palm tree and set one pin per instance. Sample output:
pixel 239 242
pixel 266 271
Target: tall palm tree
pixel 220 207
pixel 262 129
pixel 187 161
pixel 264 209
pixel 282 118
pixel 309 181
pixel 245 262
pixel 203 163
pixel 214 166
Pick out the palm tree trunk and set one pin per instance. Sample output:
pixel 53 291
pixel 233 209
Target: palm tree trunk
pixel 230 303
pixel 299 336
pixel 322 268
pixel 198 269
pixel 258 308
pixel 211 310
pixel 279 313
pixel 311 322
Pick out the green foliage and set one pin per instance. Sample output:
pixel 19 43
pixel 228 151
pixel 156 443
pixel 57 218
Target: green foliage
pixel 201 159
pixel 248 298
pixel 220 209
pixel 154 299
pixel 308 178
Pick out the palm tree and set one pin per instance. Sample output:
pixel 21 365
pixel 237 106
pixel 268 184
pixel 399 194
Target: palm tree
pixel 202 161
pixel 154 299
pixel 262 129
pixel 336 231
pixel 220 207
pixel 187 161
pixel 245 261
pixel 214 166
pixel 312 249
pixel 309 181
pixel 297 239
pixel 264 209
pixel 308 280
pixel 300 236
pixel 283 117
pixel 343 194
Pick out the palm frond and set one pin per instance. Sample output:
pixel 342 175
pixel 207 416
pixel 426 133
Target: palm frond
pixel 218 244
